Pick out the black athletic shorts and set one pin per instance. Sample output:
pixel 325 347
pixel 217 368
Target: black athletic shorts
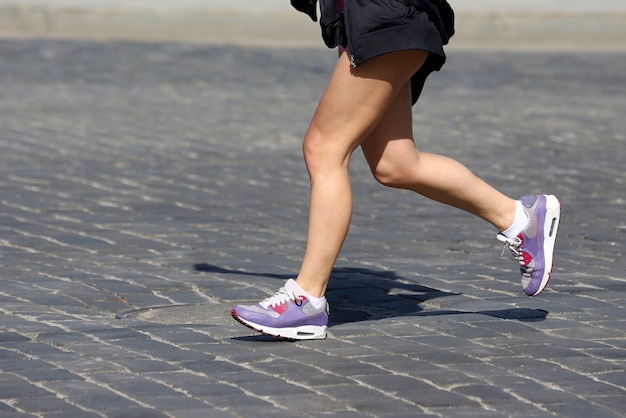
pixel 370 28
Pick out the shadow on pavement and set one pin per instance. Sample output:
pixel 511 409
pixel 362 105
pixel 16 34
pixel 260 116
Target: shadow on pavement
pixel 360 294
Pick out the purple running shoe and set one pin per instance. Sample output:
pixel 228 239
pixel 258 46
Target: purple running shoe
pixel 533 248
pixel 288 314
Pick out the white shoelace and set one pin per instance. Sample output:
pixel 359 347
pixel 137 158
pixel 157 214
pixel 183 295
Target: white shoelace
pixel 280 297
pixel 513 244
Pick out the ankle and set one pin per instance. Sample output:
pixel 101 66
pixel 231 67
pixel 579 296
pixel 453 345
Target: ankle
pixel 519 223
pixel 312 289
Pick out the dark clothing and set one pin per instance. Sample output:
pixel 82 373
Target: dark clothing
pixel 370 28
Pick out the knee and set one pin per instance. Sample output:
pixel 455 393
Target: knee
pixel 395 176
pixel 388 178
pixel 322 153
pixel 312 148
pixel 314 154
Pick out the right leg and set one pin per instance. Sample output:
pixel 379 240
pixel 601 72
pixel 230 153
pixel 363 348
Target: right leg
pixel 534 220
pixel 395 162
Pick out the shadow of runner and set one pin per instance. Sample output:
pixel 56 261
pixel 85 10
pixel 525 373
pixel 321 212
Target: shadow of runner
pixel 361 294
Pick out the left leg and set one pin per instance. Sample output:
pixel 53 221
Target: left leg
pixel 350 108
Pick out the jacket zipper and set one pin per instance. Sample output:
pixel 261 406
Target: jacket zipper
pixel 346 9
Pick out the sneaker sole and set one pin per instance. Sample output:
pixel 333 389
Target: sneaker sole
pixel 550 229
pixel 305 332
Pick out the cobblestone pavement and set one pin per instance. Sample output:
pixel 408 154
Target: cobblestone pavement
pixel 169 176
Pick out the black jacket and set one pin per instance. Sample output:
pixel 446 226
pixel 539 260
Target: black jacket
pixel 439 11
pixel 306 6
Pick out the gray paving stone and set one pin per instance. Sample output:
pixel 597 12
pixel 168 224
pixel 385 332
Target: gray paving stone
pixel 116 334
pixel 543 351
pixel 444 358
pixel 46 405
pixel 368 401
pixel 178 336
pixel 5 409
pixel 177 404
pixel 210 366
pixel 535 392
pixel 350 414
pixel 163 351
pixel 615 378
pixel 581 408
pixel 308 402
pixel 135 412
pixel 614 404
pixel 13 387
pixel 12 337
pixel 486 393
pixel 478 412
pixel 438 398
pixel 272 386
pixel 205 390
pixel 143 365
pixel 47 374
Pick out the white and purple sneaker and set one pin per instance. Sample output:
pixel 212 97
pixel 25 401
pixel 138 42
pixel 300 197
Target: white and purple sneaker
pixel 289 314
pixel 533 248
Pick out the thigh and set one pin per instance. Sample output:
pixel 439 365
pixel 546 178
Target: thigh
pixel 390 144
pixel 356 99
